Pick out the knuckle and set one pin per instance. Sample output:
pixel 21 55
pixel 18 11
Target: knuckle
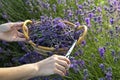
pixel 54 55
pixel 55 70
pixel 58 72
pixel 55 59
pixel 61 73
pixel 65 64
pixel 55 65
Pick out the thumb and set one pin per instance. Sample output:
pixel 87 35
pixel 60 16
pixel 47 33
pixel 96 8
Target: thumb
pixel 19 39
pixel 6 27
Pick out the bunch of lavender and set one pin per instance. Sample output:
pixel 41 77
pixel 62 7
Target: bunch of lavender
pixel 53 33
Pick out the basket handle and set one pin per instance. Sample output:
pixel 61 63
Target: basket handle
pixel 78 28
pixel 25 29
pixel 83 35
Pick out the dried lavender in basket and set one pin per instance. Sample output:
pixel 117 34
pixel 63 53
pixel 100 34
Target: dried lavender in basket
pixel 53 33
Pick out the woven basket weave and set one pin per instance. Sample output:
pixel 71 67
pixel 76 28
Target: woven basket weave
pixel 43 49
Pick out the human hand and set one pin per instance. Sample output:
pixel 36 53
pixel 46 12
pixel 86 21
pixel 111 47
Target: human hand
pixel 9 32
pixel 53 65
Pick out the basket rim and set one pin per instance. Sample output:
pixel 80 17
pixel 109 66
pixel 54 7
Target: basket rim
pixel 26 34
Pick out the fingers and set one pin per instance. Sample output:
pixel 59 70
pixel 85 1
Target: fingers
pixel 19 39
pixel 62 64
pixel 18 25
pixel 21 35
pixel 61 68
pixel 57 71
pixel 64 58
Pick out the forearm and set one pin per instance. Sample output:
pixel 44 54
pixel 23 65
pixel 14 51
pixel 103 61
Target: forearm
pixel 23 72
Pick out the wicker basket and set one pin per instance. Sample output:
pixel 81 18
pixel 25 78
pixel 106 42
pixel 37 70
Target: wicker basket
pixel 43 49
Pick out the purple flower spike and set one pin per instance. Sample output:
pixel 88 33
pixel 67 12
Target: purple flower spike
pixel 80 6
pixel 87 20
pixel 101 51
pixel 77 23
pixel 61 24
pixel 101 79
pixel 99 9
pixel 109 75
pixel 113 53
pixel 83 43
pixel 111 21
pixel 102 66
pixel 91 15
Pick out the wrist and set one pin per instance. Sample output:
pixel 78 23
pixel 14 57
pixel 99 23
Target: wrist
pixel 37 67
pixel 34 70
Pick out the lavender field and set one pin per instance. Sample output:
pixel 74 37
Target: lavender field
pixel 98 55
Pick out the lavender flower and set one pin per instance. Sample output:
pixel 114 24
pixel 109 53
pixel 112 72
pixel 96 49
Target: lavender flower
pixel 87 20
pixel 54 7
pixel 101 51
pixel 102 66
pixel 109 75
pixel 81 63
pixel 80 7
pixel 101 79
pixel 111 21
pixel 83 43
pixel 91 15
pixel 86 75
pixel 99 9
pixel 113 53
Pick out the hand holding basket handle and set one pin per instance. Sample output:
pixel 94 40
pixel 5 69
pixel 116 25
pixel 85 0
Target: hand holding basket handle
pixel 44 49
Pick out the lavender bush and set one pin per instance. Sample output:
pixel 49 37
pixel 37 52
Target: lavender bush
pixel 96 58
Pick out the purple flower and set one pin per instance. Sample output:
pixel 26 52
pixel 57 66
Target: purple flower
pixel 81 63
pixel 87 20
pixel 102 66
pixel 77 23
pixel 54 7
pixel 113 53
pixel 30 57
pixel 111 21
pixel 59 1
pixel 85 73
pixel 74 65
pixel 91 15
pixel 101 79
pixel 101 51
pixel 79 12
pixel 99 20
pixel 45 5
pixel 99 9
pixel 108 75
pixel 83 43
pixel 80 6
pixel 76 53
pixel 70 14
pixel 61 24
